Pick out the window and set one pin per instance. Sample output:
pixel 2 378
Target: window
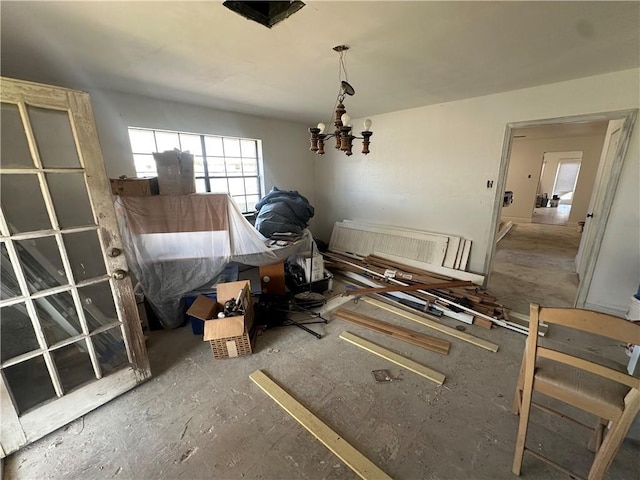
pixel 221 164
pixel 566 179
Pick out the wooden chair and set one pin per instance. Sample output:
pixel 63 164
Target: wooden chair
pixel 609 394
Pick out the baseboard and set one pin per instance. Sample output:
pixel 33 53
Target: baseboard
pixel 515 219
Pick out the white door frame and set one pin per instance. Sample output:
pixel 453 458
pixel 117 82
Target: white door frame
pixel 611 185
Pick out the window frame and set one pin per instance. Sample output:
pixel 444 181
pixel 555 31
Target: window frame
pixel 207 176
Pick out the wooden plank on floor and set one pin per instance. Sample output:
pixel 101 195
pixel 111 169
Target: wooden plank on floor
pixel 457 274
pixel 504 230
pixel 357 462
pixel 394 357
pixel 395 331
pixel 409 288
pixel 465 337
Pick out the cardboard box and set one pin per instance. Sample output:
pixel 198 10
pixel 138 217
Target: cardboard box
pixel 229 337
pixel 175 172
pixel 135 187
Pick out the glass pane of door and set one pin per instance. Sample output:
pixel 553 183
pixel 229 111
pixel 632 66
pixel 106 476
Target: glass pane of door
pixel 22 202
pixel 10 287
pixel 111 350
pixel 98 305
pixel 16 332
pixel 70 199
pixel 58 317
pixel 41 263
pixel 85 255
pixel 15 148
pixel 52 130
pixel 74 365
pixel 30 383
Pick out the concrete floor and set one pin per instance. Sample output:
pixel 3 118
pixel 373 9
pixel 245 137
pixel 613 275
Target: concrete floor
pixel 536 263
pixel 204 418
pixel 551 215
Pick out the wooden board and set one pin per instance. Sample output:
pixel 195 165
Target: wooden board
pixel 272 279
pixel 405 334
pixel 409 288
pixel 482 323
pixel 364 240
pixel 357 462
pixel 504 230
pixel 452 252
pixel 453 245
pixel 416 297
pixel 465 337
pixel 456 265
pixel 394 357
pixel 457 274
pixel 381 262
pixel 464 262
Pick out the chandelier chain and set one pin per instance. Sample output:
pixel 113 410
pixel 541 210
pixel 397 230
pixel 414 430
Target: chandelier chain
pixel 342 69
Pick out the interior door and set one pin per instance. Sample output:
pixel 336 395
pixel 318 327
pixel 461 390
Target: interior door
pixel 70 334
pixel 609 170
pixel 610 147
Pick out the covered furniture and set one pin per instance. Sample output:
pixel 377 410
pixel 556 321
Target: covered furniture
pixel 609 393
pixel 178 243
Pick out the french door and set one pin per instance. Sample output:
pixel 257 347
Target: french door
pixel 69 329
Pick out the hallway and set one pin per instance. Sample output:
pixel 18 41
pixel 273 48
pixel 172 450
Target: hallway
pixel 536 263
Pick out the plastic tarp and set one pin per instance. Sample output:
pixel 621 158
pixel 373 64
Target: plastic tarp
pixel 283 211
pixel 177 243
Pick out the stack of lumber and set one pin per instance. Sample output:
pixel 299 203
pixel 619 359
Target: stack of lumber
pixel 361 238
pixel 467 303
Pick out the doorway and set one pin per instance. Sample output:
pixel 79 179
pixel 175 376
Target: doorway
pixel 544 268
pixel 556 187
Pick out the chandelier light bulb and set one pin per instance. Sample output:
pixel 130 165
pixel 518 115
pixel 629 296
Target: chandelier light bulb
pixel 345 119
pixel 322 126
pixel 367 124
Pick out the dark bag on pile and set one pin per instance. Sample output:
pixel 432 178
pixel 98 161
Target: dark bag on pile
pixel 282 211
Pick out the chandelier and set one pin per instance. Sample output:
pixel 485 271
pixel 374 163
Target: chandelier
pixel 341 120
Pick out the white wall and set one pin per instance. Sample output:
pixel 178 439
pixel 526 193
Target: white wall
pixel 525 166
pixel 284 144
pixel 429 167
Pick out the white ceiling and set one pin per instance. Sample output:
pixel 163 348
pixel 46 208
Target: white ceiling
pixel 403 54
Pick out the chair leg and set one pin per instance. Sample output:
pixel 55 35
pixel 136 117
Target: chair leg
pixel 517 396
pixel 525 409
pixel 614 438
pixel 517 401
pixel 598 434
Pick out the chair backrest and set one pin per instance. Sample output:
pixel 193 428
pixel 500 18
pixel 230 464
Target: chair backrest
pixel 587 321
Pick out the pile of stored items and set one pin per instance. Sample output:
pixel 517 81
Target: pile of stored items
pixel 418 270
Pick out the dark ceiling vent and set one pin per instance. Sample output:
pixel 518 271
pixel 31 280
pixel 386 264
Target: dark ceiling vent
pixel 265 13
